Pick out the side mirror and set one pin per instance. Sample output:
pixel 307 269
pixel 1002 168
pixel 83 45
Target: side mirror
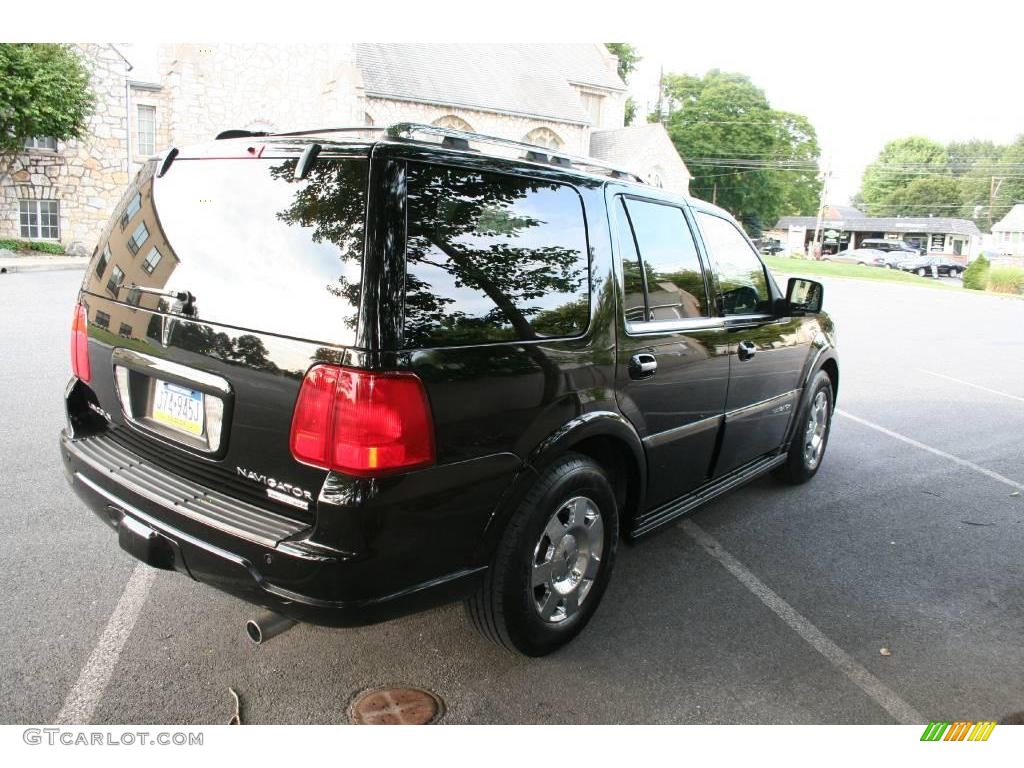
pixel 804 296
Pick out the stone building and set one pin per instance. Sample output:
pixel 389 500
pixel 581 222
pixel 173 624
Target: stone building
pixel 562 96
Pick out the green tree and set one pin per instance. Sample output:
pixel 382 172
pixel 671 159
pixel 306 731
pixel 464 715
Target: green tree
pixel 923 196
pixel 1011 170
pixel 44 91
pixel 898 164
pixel 976 274
pixel 628 57
pixel 758 162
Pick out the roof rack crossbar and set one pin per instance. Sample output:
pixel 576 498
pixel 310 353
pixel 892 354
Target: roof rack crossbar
pixel 405 131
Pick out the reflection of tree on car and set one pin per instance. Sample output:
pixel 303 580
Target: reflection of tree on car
pixel 671 295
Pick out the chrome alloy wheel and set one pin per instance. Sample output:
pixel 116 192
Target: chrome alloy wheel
pixel 817 426
pixel 567 559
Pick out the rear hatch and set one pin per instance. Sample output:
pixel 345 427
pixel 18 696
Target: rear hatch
pixel 215 286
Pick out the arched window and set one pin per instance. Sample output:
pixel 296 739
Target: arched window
pixel 544 137
pixel 454 122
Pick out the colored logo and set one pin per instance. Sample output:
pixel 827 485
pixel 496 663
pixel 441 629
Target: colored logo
pixel 960 730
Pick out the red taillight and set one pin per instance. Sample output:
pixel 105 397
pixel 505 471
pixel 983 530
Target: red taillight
pixel 362 423
pixel 80 345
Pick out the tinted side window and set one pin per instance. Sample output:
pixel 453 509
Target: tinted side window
pixel 492 257
pixel 671 273
pixel 741 280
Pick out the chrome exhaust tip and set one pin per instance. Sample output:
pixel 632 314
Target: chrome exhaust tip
pixel 268 626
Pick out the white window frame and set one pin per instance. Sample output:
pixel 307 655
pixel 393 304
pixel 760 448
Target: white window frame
pixel 41 143
pixel 35 219
pixel 145 143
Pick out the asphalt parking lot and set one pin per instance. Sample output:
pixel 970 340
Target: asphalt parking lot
pixel 768 606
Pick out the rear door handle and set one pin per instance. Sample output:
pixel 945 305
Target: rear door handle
pixel 642 366
pixel 746 350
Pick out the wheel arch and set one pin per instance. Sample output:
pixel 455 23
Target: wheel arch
pixel 605 437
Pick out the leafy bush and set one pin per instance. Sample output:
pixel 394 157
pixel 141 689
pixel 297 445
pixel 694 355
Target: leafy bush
pixel 31 245
pixel 1006 279
pixel 976 274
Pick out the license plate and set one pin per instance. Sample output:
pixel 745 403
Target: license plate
pixel 178 407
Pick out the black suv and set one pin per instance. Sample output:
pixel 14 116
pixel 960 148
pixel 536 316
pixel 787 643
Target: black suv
pixel 348 375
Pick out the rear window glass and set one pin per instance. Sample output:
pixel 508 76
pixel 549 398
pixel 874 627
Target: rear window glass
pixel 258 249
pixel 492 257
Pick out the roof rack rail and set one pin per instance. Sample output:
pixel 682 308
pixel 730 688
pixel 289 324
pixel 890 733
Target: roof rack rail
pixel 533 152
pixel 238 133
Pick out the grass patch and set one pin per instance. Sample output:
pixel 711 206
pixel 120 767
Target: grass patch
pixel 31 245
pixel 800 267
pixel 1006 280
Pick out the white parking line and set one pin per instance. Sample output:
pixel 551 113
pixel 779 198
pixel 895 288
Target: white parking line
pixel 935 451
pixel 886 698
pixel 83 699
pixel 969 384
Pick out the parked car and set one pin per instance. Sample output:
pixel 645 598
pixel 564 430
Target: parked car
pixel 864 257
pixel 359 374
pixel 889 246
pixel 770 249
pixel 923 266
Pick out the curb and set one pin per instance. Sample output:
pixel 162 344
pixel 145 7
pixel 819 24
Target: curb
pixel 42 268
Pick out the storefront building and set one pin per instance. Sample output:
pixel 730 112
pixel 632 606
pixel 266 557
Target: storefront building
pixel 845 227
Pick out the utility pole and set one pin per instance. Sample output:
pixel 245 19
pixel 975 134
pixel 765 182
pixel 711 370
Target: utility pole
pixel 661 91
pixel 993 189
pixel 826 178
pixel 714 194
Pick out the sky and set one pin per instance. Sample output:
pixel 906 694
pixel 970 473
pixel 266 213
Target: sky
pixel 863 71
pixel 942 74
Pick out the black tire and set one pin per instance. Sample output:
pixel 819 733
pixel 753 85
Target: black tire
pixel 505 609
pixel 798 468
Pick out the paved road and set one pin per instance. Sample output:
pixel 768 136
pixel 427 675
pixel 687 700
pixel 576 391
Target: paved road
pixel 778 619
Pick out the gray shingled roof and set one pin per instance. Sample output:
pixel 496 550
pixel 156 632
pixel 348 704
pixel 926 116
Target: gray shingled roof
pixel 521 79
pixel 1012 221
pixel 930 225
pixel 622 146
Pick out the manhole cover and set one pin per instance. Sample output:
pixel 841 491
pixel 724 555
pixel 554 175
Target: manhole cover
pixel 396 706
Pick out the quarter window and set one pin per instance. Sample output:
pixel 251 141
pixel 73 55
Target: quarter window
pixel 742 285
pixel 39 219
pixel 664 281
pixel 492 257
pixel 139 236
